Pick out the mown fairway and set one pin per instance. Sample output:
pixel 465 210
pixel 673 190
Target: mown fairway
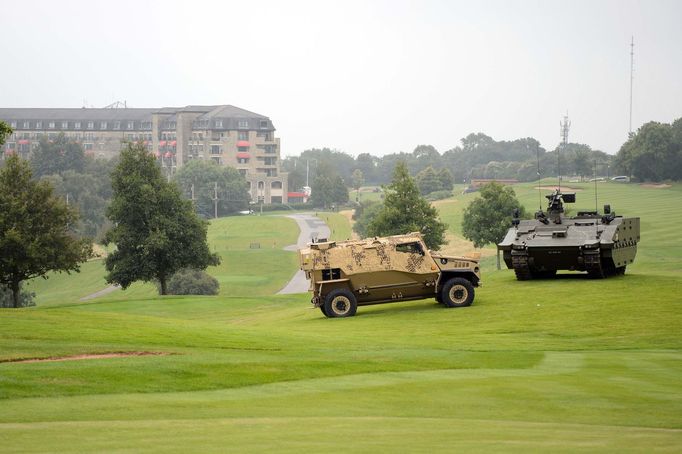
pixel 565 365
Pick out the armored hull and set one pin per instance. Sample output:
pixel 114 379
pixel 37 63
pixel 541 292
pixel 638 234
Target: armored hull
pixel 601 245
pixel 345 275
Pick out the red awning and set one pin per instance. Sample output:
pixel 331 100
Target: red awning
pixel 173 143
pixel 168 155
pixel 296 194
pixel 23 142
pixel 243 155
pixel 243 143
pixel 162 143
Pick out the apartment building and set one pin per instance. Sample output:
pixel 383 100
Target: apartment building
pixel 225 134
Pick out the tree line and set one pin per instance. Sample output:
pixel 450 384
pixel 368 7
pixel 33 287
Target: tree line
pixel 478 156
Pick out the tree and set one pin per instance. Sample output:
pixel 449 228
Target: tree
pixel 654 153
pixel 488 217
pixel 405 210
pixel 328 188
pixel 358 181
pixel 156 231
pixel 5 131
pixel 34 229
pixel 428 181
pixel 57 156
pixel 204 175
pixel 364 214
pixel 446 179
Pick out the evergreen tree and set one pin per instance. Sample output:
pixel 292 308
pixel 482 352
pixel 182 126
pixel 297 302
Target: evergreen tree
pixel 405 210
pixel 156 231
pixel 34 229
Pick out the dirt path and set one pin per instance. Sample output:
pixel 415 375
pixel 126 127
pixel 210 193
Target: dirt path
pixel 85 356
pixel 311 227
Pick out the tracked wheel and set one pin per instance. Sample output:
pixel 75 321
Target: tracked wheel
pixel 521 268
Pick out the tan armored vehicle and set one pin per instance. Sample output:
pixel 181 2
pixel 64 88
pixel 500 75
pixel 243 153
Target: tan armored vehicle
pixel 347 274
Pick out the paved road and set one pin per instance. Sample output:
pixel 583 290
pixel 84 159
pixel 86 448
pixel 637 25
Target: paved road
pixel 106 291
pixel 311 228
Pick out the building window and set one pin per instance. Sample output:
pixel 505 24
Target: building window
pixel 50 125
pixel 263 124
pixel 242 160
pixel 131 125
pixel 146 125
pixel 91 124
pixel 26 125
pixel 215 149
pixel 65 125
pixel 13 125
pixel 218 123
pixel 87 146
pixel 243 149
pixel 276 185
pixel 243 124
pixel 117 125
pixel 216 160
pixel 39 125
pixel 243 135
pixel 103 125
pixel 77 125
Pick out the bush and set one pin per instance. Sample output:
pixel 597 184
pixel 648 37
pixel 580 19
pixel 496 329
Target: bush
pixel 25 298
pixel 192 282
pixel 438 195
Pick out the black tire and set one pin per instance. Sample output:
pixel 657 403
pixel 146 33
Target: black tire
pixel 322 309
pixel 340 303
pixel 457 292
pixel 439 297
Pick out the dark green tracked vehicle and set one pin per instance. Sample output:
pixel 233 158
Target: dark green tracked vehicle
pixel 601 244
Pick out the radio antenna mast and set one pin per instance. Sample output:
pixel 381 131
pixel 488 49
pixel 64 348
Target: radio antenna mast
pixel 537 155
pixel 565 126
pixel 632 78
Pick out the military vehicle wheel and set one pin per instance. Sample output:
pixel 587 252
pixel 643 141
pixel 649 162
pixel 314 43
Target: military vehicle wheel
pixel 457 292
pixel 323 310
pixel 620 270
pixel 340 303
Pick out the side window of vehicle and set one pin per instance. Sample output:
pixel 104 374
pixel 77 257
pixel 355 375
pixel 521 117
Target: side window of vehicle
pixel 409 248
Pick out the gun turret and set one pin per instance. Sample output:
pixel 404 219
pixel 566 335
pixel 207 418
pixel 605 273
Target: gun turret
pixel 555 207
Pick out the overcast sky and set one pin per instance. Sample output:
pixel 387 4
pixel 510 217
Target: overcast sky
pixel 367 76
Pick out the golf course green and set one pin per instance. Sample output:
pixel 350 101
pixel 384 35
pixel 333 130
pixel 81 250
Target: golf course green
pixel 564 365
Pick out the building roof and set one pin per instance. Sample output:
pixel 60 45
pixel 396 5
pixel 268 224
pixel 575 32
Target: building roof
pixel 82 114
pixel 88 113
pixel 229 111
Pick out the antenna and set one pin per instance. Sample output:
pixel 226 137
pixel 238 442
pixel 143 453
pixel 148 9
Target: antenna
pixel 537 155
pixel 565 126
pixel 632 77
pixel 596 200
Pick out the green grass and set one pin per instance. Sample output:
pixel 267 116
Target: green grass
pixel 338 225
pixel 565 365
pixel 252 263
